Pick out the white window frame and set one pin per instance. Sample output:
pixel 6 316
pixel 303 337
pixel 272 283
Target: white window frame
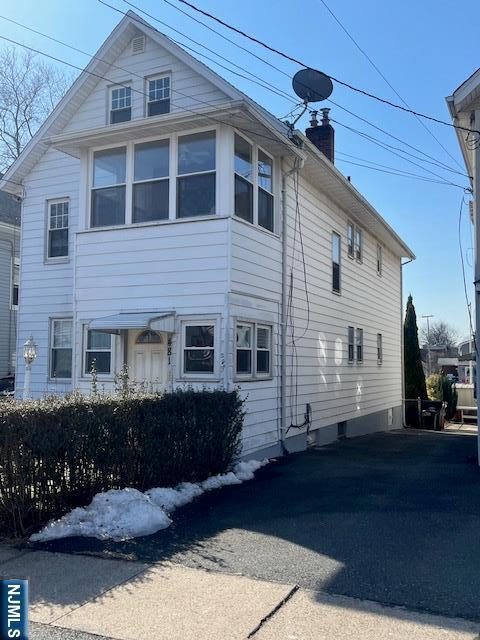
pixel 335 236
pixel 54 259
pixel 359 343
pixel 172 177
pixel 254 374
pixel 255 182
pixel 158 76
pixel 199 322
pixel 110 110
pixel 127 184
pixel 14 269
pixel 186 134
pixel 379 259
pixel 351 241
pixel 379 348
pixel 148 180
pixel 100 376
pixel 358 244
pixel 51 348
pixel 351 343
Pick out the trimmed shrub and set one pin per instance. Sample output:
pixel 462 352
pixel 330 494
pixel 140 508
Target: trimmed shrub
pixel 57 453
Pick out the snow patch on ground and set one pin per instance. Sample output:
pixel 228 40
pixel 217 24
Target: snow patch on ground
pixel 121 514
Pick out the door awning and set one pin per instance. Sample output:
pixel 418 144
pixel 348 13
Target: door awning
pixel 160 321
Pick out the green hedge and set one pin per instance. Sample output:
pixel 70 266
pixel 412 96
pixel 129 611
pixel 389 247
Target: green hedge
pixel 57 453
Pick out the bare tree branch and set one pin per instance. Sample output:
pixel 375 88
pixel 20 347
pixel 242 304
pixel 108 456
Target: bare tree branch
pixel 29 91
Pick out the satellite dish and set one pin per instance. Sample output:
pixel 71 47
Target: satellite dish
pixel 311 85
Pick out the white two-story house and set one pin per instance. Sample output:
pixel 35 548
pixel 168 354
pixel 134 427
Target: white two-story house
pixel 173 225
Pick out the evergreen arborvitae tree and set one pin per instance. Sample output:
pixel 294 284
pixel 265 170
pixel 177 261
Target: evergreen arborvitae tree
pixel 415 386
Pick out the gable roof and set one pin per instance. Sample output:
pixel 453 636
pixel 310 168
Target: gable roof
pixel 97 69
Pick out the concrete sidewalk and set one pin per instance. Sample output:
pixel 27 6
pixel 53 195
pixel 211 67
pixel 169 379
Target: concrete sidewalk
pixel 75 595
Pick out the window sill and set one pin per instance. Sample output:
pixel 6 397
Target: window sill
pixel 240 379
pixel 155 223
pixel 199 378
pixel 257 226
pixel 63 260
pixel 60 380
pixel 337 293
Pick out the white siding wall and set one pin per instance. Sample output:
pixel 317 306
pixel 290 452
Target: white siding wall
pixel 189 90
pixel 180 266
pixel 336 389
pixel 46 290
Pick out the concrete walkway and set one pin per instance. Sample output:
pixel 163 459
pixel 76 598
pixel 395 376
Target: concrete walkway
pixel 73 596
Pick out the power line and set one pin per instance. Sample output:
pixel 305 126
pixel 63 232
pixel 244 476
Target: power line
pixel 435 162
pixel 390 149
pixel 382 75
pixel 341 82
pixel 401 174
pixel 120 84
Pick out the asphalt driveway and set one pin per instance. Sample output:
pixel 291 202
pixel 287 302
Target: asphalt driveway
pixel 391 517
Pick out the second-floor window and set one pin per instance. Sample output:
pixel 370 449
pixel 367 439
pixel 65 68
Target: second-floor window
pixel 158 95
pixel 358 244
pixel 253 191
pixel 57 241
pixel 351 240
pixel 109 182
pixel 196 175
pixel 120 104
pixel 336 246
pixel 151 183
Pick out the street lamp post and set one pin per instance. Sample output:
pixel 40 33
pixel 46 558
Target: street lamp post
pixel 29 355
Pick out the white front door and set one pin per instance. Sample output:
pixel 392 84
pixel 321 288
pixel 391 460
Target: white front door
pixel 148 360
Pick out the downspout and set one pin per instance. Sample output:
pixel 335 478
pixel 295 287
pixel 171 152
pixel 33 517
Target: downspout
pixel 283 358
pixel 402 355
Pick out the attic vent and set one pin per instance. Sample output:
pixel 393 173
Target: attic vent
pixel 138 44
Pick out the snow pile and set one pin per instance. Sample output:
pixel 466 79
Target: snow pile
pixel 121 514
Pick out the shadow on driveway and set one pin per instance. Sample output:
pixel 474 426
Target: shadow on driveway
pixel 391 517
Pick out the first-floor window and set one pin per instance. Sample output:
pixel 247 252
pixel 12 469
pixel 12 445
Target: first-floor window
pixel 253 349
pixel 359 345
pixel 351 344
pixel 199 348
pixel 379 348
pixel 61 340
pixel 98 352
pixel 350 240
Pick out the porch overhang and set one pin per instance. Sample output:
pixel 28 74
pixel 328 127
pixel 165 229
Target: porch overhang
pixel 157 321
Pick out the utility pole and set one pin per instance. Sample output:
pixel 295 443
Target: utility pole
pixel 476 218
pixel 427 318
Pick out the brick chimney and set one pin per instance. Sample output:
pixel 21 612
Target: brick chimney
pixel 323 136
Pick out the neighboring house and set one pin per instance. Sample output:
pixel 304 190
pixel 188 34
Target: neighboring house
pixel 174 225
pixel 439 358
pixel 9 279
pixel 466 361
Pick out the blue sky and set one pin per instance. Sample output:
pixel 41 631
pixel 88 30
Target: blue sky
pixel 423 51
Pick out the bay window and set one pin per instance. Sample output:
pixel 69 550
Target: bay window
pixel 108 192
pixel 265 191
pixel 243 179
pixel 253 188
pixel 198 348
pixel 196 175
pixel 151 184
pixel 98 352
pixel 253 347
pixel 61 348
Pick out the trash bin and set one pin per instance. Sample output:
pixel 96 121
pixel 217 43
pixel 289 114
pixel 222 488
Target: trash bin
pixel 433 415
